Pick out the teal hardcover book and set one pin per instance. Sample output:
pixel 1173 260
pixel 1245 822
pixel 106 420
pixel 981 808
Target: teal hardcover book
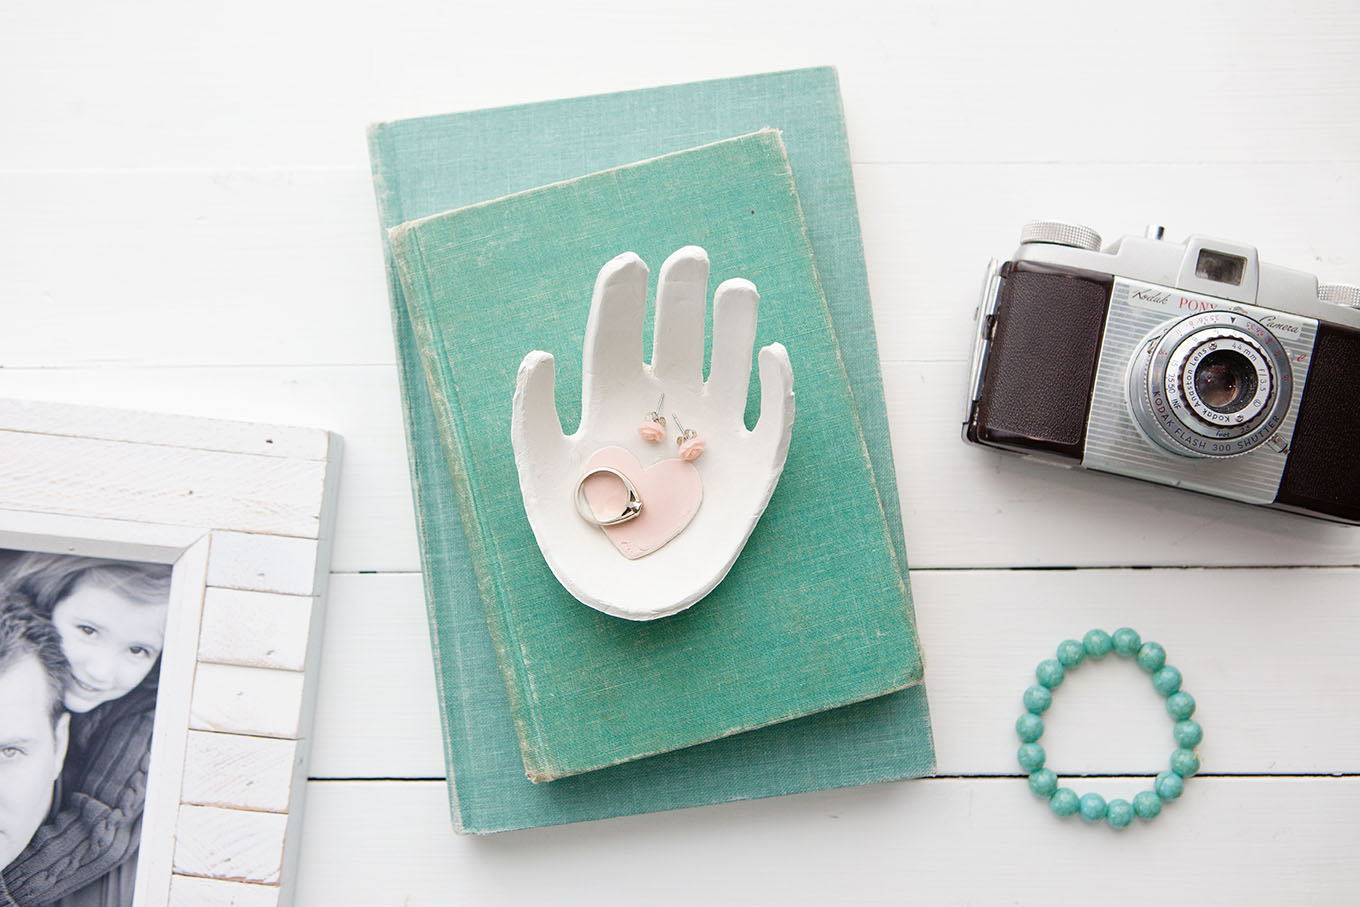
pixel 425 166
pixel 815 613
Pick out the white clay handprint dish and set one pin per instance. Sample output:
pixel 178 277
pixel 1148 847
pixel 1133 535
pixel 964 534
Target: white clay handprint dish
pixel 644 508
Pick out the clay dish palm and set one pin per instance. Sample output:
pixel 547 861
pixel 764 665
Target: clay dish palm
pixel 739 469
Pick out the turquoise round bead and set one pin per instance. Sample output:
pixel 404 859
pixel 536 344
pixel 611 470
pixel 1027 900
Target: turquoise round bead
pixel 1050 673
pixel 1147 804
pixel 1119 813
pixel 1169 785
pixel 1031 756
pixel 1030 727
pixel 1063 802
pixel 1097 643
pixel 1167 680
pixel 1043 782
pixel 1038 699
pixel 1071 653
pixel 1180 705
pixel 1126 642
pixel 1151 656
pixel 1188 733
pixel 1184 762
pixel 1092 807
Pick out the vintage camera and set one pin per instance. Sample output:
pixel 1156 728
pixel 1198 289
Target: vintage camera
pixel 1192 365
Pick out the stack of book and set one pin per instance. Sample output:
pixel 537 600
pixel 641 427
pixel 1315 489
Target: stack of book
pixel 801 670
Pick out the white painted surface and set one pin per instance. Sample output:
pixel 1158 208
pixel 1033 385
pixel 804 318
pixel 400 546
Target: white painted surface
pixel 237 700
pixel 231 844
pixel 208 173
pixel 937 841
pixel 193 891
pixel 161 484
pixel 255 629
pixel 238 772
pixel 177 432
pixel 263 563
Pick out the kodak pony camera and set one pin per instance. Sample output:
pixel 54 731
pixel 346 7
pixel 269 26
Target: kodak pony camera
pixel 1193 365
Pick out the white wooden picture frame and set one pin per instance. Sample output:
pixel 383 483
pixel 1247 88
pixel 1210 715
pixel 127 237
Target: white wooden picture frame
pixel 244 513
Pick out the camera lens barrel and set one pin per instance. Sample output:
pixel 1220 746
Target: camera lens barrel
pixel 1217 384
pixel 1226 365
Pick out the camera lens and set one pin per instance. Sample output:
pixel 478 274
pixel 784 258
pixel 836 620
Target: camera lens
pixel 1226 381
pixel 1216 384
pixel 1221 381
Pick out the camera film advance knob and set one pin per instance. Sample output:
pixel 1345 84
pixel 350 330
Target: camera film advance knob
pixel 1340 293
pixel 1050 231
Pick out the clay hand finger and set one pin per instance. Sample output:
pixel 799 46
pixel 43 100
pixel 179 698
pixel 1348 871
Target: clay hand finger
pixel 534 426
pixel 734 334
pixel 678 336
pixel 776 401
pixel 612 354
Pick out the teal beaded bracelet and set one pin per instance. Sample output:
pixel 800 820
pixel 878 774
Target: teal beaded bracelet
pixel 1180 705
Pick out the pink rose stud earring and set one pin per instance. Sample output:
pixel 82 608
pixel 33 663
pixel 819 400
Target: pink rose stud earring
pixel 689 442
pixel 653 427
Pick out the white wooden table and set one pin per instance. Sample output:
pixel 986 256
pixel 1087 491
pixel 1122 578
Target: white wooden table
pixel 186 225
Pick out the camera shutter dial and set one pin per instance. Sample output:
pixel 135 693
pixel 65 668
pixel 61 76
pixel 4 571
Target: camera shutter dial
pixel 1340 294
pixel 1058 233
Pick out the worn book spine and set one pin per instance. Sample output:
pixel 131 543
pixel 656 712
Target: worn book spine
pixel 416 411
pixel 443 391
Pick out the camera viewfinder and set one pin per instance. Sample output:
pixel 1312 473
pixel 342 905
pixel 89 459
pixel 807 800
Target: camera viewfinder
pixel 1220 267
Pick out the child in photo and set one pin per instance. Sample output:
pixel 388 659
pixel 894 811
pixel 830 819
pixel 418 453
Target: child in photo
pixel 110 618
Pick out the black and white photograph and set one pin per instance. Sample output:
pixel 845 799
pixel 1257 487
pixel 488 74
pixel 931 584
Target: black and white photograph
pixel 80 646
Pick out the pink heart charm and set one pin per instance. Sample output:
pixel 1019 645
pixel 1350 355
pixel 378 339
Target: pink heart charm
pixel 671 491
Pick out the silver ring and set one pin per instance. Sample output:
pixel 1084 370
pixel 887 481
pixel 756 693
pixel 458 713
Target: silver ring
pixel 631 509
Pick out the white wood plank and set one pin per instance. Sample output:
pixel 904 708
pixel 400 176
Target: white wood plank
pixel 239 772
pixel 159 484
pixel 376 714
pixel 229 844
pixel 89 537
pixel 240 700
pixel 192 891
pixel 943 841
pixel 256 629
pixel 315 272
pixel 377 529
pixel 263 563
pixel 311 681
pixel 160 429
pixel 925 271
pixel 1266 653
pixel 963 506
pixel 1270 84
pixel 168 737
pixel 282 268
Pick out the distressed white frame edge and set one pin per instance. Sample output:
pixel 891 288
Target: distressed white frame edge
pixel 188 548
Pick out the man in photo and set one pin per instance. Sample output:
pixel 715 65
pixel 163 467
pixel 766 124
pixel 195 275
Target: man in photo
pixel 109 620
pixel 33 726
